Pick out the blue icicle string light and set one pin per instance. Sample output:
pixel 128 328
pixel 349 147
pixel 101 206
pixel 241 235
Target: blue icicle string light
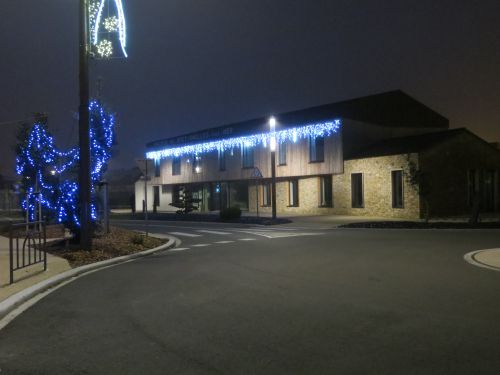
pixel 294 134
pixel 41 164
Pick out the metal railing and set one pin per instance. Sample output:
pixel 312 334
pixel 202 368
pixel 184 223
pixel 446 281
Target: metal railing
pixel 27 246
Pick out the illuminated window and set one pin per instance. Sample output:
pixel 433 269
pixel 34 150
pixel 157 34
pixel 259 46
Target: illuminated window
pixel 196 164
pixel 266 194
pixel 293 193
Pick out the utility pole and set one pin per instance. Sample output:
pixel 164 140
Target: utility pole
pixel 272 146
pixel 83 127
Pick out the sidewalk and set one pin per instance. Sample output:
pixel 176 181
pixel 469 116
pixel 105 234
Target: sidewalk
pixel 26 277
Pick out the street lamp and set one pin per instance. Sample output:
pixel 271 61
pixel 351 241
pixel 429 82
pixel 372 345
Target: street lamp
pixel 272 144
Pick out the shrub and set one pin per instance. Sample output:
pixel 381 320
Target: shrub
pixel 230 213
pixel 137 239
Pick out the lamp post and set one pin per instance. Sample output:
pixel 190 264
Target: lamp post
pixel 83 130
pixel 272 146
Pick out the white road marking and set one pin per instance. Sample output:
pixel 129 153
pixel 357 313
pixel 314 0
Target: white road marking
pixel 159 235
pixel 183 234
pixel 201 245
pixel 213 232
pixel 247 239
pixel 471 258
pixel 224 241
pixel 276 234
pixel 179 249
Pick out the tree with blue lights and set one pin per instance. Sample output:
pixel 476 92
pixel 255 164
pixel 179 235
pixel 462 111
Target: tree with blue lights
pixel 43 167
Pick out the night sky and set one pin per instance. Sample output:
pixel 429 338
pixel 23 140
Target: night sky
pixel 201 63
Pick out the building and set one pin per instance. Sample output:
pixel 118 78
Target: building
pixel 382 155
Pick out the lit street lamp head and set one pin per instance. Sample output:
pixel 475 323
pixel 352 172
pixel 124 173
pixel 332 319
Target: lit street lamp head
pixel 272 123
pixel 272 128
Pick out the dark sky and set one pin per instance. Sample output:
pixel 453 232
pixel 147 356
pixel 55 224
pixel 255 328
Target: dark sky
pixel 200 63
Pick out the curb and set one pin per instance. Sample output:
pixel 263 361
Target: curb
pixel 16 300
pixel 471 259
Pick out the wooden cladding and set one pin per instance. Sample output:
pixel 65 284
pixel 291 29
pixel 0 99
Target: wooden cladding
pixel 234 167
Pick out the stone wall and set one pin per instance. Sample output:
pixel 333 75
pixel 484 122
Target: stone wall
pixel 377 187
pixel 377 191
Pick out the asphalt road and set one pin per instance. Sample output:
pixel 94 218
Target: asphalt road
pixel 278 300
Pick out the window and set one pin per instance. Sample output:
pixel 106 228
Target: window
pixel 397 189
pixel 176 166
pixel 266 194
pixel 282 154
pixel 488 199
pixel 325 191
pixel 196 164
pixel 157 168
pixel 177 194
pixel 247 156
pixel 316 149
pixel 473 186
pixel 357 190
pixel 293 193
pixel 156 196
pixel 222 160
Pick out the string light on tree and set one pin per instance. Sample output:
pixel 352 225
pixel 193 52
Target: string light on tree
pixel 41 165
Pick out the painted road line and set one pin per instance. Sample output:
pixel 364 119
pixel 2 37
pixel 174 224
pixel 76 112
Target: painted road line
pixel 201 245
pixel 277 234
pixel 183 234
pixel 224 241
pixel 159 235
pixel 179 249
pixel 213 232
pixel 246 239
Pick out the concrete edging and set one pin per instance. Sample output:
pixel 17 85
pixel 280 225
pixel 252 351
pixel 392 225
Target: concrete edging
pixel 471 259
pixel 16 300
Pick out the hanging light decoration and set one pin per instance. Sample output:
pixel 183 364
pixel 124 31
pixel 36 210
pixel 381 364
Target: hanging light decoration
pixel 292 134
pixel 107 24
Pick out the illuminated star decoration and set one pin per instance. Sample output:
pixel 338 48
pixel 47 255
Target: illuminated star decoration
pixel 111 24
pixel 42 165
pixel 102 26
pixel 292 134
pixel 105 48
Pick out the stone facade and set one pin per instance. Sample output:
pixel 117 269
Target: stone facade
pixel 377 188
